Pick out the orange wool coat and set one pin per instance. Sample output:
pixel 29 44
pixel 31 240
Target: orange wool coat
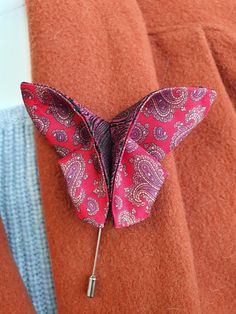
pixel 182 259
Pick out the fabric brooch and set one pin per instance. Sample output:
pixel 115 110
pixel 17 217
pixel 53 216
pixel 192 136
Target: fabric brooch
pixel 115 165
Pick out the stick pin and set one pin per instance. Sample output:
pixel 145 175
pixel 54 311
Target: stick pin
pixel 92 278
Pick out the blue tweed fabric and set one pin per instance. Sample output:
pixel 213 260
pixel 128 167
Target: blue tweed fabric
pixel 20 207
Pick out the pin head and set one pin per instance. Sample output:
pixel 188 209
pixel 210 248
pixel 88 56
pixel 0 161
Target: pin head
pixel 91 286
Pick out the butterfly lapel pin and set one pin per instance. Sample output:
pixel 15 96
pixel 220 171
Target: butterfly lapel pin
pixel 115 166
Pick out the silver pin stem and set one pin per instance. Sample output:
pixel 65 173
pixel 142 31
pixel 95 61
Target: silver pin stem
pixel 92 278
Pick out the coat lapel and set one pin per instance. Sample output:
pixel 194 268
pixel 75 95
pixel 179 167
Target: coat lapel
pixel 108 61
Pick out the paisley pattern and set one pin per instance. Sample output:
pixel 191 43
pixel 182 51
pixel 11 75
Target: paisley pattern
pixel 212 96
pixel 27 94
pixel 100 131
pixel 198 93
pixel 119 128
pixel 60 135
pixel 116 165
pixel 60 112
pixel 139 132
pixel 163 106
pixel 43 94
pixel 121 170
pixel 147 180
pixel 82 136
pixel 100 188
pixel 127 218
pixel 159 133
pixel 62 151
pixel 74 173
pixel 95 161
pixel 127 115
pixel 92 206
pixel 155 151
pixel 195 115
pixel 118 202
pixel 131 146
pixel 41 122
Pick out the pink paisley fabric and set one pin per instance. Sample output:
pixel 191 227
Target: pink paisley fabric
pixel 116 166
